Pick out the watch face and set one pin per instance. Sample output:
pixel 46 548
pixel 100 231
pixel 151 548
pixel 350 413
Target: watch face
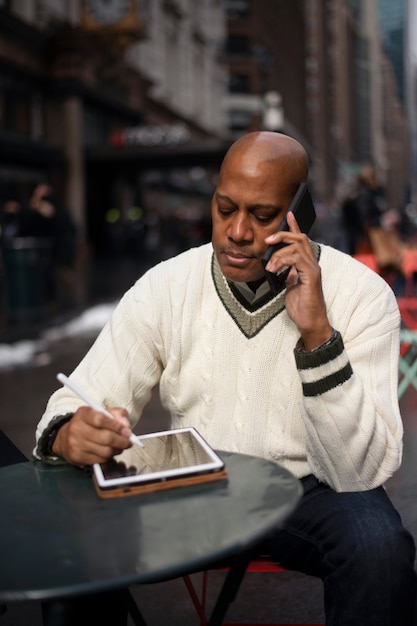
pixel 107 12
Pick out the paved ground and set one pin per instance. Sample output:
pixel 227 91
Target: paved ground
pixel 286 597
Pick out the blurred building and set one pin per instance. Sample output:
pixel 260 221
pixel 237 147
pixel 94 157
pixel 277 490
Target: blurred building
pixel 323 63
pixel 411 95
pixel 392 16
pixel 114 104
pixel 128 108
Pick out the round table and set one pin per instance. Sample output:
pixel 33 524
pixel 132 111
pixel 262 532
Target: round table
pixel 59 539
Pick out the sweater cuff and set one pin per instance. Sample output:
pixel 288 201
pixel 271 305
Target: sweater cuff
pixel 325 368
pixel 46 440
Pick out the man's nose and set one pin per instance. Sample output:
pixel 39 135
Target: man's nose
pixel 240 228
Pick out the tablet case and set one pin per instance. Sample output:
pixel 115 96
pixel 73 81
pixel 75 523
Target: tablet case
pixel 133 490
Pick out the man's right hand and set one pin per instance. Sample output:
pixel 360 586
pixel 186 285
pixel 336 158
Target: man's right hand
pixel 92 437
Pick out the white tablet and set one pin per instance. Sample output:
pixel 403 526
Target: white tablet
pixel 165 455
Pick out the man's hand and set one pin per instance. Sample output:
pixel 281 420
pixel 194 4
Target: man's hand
pixel 92 437
pixel 304 298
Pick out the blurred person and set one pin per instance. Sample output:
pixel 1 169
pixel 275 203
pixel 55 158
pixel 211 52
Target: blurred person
pixel 46 219
pixel 306 377
pixel 39 223
pixel 41 214
pixel 327 228
pixel 361 210
pixel 369 227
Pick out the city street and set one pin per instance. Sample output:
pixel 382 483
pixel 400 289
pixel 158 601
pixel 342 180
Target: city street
pixel 115 118
pixel 286 597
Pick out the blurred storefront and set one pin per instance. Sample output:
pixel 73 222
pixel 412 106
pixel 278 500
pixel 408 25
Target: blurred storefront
pixel 121 116
pixel 155 184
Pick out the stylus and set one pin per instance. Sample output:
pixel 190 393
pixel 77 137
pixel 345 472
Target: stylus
pixel 94 405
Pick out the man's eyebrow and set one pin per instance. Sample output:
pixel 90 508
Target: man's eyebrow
pixel 222 196
pixel 258 205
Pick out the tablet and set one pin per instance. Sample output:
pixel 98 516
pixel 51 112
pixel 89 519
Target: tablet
pixel 165 456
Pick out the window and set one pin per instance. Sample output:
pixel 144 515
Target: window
pixel 237 9
pixel 239 83
pixel 238 45
pixel 239 120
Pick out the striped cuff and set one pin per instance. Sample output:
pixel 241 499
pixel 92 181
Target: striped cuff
pixel 325 368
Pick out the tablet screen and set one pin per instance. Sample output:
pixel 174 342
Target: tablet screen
pixel 165 455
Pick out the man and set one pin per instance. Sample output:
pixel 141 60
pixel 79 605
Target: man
pixel 307 377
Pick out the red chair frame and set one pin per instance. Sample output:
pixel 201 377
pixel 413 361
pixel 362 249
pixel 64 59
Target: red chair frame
pixel 257 565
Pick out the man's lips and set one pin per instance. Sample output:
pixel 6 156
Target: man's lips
pixel 238 258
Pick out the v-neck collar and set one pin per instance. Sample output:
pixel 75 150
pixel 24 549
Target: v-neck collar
pixel 249 317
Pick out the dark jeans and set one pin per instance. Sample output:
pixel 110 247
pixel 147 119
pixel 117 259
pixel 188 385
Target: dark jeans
pixel 356 543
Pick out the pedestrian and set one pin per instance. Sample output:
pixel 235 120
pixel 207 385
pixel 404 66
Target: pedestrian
pixel 363 209
pixel 41 213
pixel 46 220
pixel 39 224
pixel 306 377
pixel 368 226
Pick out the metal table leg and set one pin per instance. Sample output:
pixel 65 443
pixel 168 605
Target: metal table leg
pixel 229 591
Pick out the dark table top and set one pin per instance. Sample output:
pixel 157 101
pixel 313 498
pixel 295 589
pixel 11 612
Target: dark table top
pixel 58 538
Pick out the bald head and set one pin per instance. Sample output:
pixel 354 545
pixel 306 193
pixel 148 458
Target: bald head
pixel 258 178
pixel 265 147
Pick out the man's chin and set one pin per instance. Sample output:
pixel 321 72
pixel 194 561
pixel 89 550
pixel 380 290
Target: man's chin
pixel 238 276
pixel 251 271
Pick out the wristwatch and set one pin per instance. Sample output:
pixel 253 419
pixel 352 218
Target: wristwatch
pixel 300 345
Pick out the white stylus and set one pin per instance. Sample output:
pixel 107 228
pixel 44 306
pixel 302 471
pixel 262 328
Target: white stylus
pixel 94 405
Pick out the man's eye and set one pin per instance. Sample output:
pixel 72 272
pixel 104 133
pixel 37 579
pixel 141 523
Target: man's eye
pixel 264 219
pixel 225 211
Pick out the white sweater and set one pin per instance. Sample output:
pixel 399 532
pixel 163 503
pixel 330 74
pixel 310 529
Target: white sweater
pixel 233 374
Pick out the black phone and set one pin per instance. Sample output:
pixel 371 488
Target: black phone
pixel 303 209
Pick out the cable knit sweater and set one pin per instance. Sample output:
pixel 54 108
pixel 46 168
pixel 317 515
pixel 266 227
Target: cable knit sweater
pixel 231 370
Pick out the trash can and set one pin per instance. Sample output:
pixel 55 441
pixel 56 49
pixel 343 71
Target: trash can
pixel 28 269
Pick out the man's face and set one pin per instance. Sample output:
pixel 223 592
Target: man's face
pixel 248 205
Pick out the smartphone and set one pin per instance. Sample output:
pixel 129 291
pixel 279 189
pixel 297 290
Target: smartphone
pixel 303 209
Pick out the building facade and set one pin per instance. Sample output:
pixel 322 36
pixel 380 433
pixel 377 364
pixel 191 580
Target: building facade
pixel 128 108
pixel 324 60
pixel 100 98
